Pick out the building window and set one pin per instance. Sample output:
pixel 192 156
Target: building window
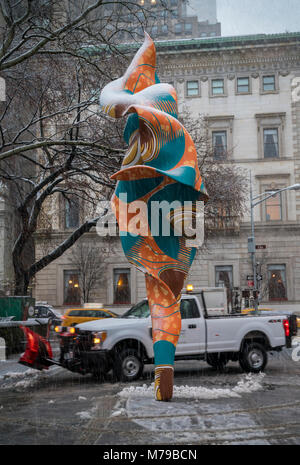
pixel 120 35
pixel 269 83
pixel 271 147
pixel 72 212
pixel 164 14
pixel 173 2
pixel 121 283
pixel 274 208
pixel 140 31
pixel 224 276
pixel 217 87
pixel 164 29
pixel 178 28
pixel 277 282
pixel 154 31
pixel 71 288
pixel 243 85
pixel 219 141
pixel 188 27
pixel 271 135
pixel 192 88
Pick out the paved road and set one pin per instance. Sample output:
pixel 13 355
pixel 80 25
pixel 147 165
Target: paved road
pixel 58 407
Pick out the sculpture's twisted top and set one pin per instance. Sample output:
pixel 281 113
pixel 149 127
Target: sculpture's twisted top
pixel 157 140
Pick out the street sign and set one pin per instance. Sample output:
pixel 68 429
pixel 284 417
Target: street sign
pixel 250 280
pixel 260 247
pixel 259 277
pixel 251 244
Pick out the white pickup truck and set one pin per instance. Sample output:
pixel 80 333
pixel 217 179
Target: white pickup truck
pixel 125 344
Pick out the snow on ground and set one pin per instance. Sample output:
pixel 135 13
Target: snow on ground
pixel 249 383
pixel 20 380
pixel 23 378
pixel 196 414
pixel 87 414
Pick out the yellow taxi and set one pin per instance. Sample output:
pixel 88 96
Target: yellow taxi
pixel 298 319
pixel 249 310
pixel 73 316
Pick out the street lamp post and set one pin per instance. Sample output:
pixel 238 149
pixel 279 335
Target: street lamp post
pixel 254 201
pixel 251 243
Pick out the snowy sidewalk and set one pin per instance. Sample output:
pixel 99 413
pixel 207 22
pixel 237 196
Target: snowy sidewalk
pixel 13 373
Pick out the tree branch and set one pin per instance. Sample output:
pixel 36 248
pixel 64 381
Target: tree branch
pixel 54 35
pixel 56 253
pixel 50 143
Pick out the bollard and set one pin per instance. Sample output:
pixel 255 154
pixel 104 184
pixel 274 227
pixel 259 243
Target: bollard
pixel 2 349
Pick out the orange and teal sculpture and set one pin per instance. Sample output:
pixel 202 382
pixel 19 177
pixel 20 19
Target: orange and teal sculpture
pixel 160 165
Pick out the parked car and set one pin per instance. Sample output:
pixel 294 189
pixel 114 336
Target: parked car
pixel 73 316
pixel 47 311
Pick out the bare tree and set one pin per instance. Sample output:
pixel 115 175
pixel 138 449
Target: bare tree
pixel 53 141
pixel 226 183
pixel 88 260
pixel 55 145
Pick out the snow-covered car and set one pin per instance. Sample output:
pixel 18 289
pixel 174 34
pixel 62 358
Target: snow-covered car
pixel 47 311
pixel 125 344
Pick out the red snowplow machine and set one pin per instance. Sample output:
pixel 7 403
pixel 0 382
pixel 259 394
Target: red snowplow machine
pixel 38 352
pixel 39 355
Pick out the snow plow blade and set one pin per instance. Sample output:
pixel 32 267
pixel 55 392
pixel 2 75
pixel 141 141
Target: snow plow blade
pixel 38 352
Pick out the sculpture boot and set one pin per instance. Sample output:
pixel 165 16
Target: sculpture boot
pixel 163 386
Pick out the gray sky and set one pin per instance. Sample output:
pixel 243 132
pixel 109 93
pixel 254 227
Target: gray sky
pixel 241 17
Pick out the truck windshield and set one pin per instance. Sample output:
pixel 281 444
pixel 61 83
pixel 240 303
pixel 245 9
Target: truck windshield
pixel 141 310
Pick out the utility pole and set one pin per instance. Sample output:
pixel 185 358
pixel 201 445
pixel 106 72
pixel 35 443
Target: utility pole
pixel 252 247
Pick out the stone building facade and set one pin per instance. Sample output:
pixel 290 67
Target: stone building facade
pixel 166 19
pixel 248 87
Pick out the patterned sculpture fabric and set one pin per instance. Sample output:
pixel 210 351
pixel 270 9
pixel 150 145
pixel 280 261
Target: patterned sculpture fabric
pixel 160 165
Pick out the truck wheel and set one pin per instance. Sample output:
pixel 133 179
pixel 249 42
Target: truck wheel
pixel 217 361
pixel 253 358
pixel 128 365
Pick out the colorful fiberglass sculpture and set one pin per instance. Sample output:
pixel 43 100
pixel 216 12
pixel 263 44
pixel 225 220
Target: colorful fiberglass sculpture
pixel 159 165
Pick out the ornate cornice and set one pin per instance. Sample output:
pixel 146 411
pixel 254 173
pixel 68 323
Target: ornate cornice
pixel 252 60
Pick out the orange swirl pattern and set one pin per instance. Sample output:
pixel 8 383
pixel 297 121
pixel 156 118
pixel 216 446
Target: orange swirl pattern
pixel 160 165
